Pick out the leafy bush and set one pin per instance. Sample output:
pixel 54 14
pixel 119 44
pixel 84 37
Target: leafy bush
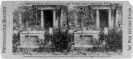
pixel 113 40
pixel 59 41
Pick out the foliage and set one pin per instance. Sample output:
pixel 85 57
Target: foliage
pixel 60 41
pixel 113 40
pixel 29 15
pixel 85 16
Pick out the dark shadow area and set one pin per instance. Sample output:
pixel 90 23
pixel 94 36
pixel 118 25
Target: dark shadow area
pixel 103 18
pixel 48 18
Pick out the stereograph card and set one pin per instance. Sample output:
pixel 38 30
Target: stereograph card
pixel 87 29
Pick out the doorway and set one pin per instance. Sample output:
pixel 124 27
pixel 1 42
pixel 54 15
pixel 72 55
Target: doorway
pixel 48 18
pixel 103 18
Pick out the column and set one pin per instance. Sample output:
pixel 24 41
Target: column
pixel 76 18
pixel 110 22
pixel 116 19
pixel 54 19
pixel 61 18
pixel 97 19
pixel 42 19
pixel 36 19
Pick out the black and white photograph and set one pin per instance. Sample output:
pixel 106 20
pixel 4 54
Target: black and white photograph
pixel 67 29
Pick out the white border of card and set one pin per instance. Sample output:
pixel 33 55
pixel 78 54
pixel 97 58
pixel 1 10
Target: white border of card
pixel 7 16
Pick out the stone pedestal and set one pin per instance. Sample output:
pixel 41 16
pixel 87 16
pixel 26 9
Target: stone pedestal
pixel 28 39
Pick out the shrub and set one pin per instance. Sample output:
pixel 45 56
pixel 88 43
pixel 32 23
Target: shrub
pixel 113 40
